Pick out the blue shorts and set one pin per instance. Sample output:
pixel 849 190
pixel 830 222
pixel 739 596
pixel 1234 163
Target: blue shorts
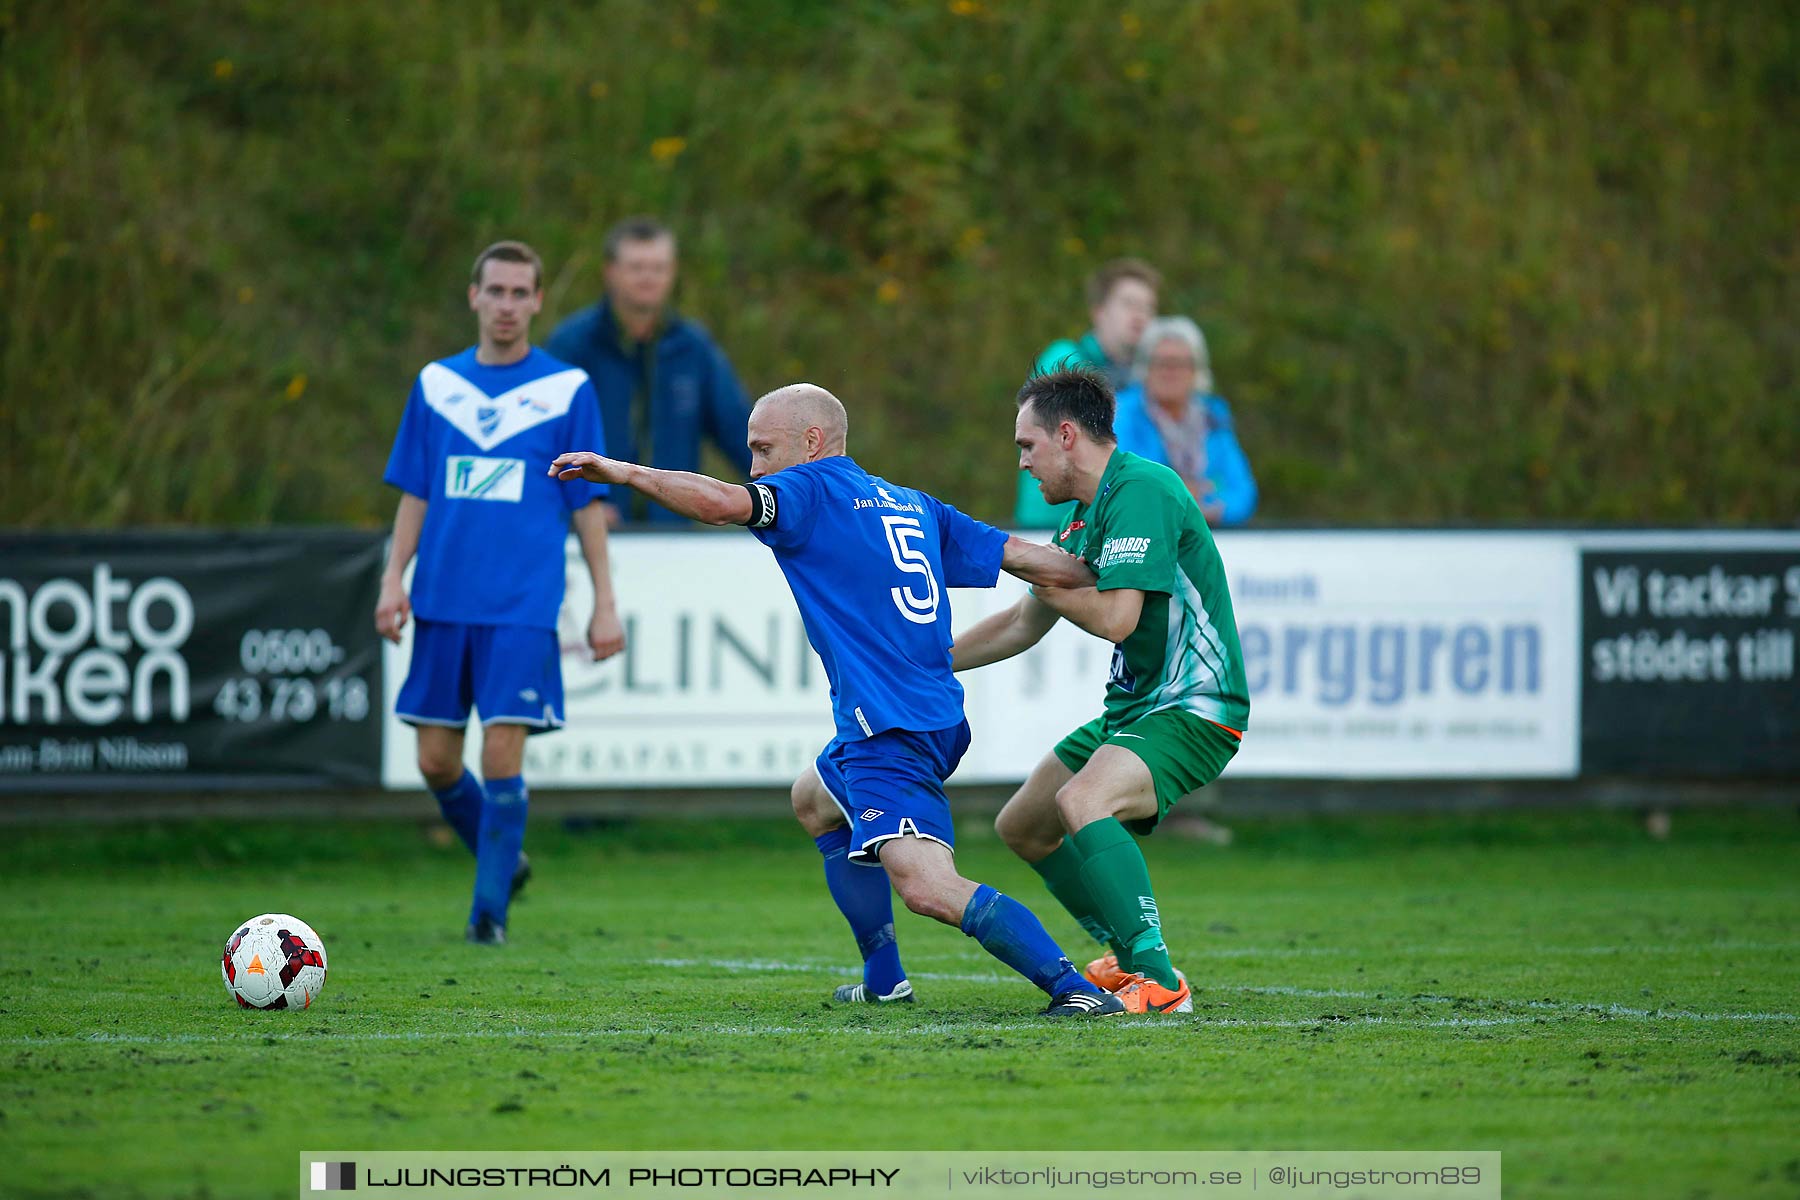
pixel 511 673
pixel 892 785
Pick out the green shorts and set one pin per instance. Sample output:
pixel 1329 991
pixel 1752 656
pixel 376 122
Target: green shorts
pixel 1184 753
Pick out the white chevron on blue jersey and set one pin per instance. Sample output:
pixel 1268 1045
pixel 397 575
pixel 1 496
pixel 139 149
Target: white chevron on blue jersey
pixel 489 420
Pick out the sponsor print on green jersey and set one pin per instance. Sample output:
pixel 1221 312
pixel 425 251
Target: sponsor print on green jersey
pixel 1145 531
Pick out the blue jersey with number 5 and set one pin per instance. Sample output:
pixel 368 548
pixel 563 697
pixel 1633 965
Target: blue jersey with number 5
pixel 869 563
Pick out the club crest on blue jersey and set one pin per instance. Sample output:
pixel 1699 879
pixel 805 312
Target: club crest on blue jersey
pixel 502 414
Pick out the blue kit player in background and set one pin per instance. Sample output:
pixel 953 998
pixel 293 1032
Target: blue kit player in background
pixel 489 534
pixel 869 563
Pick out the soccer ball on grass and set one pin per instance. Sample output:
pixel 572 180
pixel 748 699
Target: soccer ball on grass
pixel 274 961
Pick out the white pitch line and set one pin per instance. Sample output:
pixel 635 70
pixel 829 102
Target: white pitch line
pixel 1571 1008
pixel 927 1029
pixel 774 966
pixel 937 1028
pixel 1755 947
pixel 1205 951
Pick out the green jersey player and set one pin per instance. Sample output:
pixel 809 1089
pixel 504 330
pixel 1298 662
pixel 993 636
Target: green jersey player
pixel 1177 703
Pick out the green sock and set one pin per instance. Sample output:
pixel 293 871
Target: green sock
pixel 1113 868
pixel 1062 875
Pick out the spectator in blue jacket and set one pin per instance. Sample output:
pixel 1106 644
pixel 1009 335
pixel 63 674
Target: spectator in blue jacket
pixel 661 379
pixel 1171 415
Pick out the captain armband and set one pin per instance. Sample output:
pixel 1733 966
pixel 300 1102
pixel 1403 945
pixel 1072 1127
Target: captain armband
pixel 762 505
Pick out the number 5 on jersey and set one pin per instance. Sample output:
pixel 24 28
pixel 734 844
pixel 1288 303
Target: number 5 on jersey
pixel 901 533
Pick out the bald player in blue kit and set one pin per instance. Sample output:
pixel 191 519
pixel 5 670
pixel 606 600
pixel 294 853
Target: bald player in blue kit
pixel 868 562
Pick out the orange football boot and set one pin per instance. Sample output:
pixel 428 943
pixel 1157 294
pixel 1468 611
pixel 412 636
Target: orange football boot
pixel 1141 994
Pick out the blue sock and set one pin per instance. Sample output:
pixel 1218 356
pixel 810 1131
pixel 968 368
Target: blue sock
pixel 461 805
pixel 1007 930
pixel 497 855
pixel 867 902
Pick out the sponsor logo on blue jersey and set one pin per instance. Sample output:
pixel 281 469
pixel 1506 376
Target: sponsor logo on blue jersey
pixel 886 501
pixel 472 477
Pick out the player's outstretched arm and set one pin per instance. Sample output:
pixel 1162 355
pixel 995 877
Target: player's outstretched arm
pixel 698 497
pixel 606 636
pixel 1037 563
pixel 1006 633
pixel 392 608
pixel 1109 616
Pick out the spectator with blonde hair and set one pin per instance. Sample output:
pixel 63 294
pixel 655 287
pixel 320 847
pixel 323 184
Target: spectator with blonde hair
pixel 1171 415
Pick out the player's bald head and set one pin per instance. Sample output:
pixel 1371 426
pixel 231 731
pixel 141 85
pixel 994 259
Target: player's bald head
pixel 802 406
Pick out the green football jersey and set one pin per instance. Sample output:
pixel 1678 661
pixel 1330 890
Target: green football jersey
pixel 1145 531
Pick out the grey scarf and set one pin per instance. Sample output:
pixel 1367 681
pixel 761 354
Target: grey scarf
pixel 1183 438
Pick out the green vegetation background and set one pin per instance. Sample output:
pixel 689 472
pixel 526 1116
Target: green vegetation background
pixel 1459 259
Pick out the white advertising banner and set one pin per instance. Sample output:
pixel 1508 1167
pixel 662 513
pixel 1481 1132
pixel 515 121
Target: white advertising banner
pixel 1430 655
pixel 717 685
pixel 1371 655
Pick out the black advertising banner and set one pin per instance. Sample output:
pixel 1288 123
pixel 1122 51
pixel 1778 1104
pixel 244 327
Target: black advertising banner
pixel 1689 662
pixel 184 660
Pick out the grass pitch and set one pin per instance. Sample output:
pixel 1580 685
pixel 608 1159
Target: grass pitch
pixel 1618 1016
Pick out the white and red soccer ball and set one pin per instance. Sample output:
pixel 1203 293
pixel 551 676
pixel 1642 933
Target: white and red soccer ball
pixel 274 961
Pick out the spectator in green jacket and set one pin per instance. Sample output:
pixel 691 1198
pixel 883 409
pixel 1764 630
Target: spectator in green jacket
pixel 1121 297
